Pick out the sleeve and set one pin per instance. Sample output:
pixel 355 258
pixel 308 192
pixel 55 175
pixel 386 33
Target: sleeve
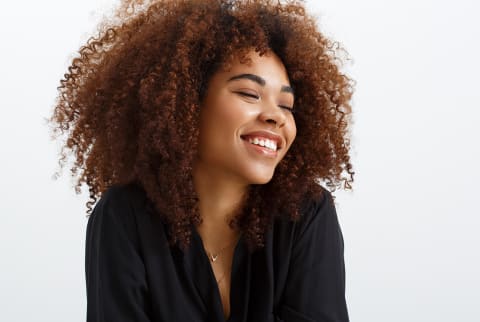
pixel 315 287
pixel 116 282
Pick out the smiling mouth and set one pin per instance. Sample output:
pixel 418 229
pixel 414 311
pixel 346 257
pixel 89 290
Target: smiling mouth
pixel 265 143
pixel 260 141
pixel 265 147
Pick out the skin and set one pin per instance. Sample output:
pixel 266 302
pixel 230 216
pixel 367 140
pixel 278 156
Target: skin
pixel 244 99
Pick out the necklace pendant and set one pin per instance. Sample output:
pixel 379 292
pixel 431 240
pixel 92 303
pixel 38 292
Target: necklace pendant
pixel 214 257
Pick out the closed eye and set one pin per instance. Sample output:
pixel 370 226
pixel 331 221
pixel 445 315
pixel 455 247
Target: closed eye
pixel 288 108
pixel 249 95
pixel 257 97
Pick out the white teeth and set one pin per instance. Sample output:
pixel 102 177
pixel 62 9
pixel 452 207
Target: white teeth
pixel 270 144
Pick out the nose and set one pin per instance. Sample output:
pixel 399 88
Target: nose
pixel 272 114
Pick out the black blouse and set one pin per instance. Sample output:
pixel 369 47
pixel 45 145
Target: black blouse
pixel 133 275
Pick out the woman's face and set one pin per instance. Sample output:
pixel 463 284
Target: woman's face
pixel 246 125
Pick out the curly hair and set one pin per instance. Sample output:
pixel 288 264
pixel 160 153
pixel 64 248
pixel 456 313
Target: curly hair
pixel 129 105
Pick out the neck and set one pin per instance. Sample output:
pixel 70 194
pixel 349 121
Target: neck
pixel 219 199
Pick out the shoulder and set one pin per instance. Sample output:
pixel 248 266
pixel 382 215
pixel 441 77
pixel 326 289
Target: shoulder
pixel 316 210
pixel 121 201
pixel 317 223
pixel 118 209
pixel 122 196
pixel 318 227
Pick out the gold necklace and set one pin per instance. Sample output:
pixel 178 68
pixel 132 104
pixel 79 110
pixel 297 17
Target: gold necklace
pixel 213 257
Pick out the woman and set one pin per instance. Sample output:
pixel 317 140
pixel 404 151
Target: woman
pixel 206 127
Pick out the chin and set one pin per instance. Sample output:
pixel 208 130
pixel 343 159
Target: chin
pixel 262 178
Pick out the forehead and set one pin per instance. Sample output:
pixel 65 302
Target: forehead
pixel 267 66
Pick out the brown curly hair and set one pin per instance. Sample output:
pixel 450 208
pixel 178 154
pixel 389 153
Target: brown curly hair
pixel 129 105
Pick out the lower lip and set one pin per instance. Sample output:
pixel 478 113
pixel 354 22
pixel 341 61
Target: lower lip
pixel 261 150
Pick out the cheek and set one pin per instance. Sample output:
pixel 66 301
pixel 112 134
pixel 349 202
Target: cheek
pixel 292 129
pixel 220 109
pixel 219 122
pixel 230 117
pixel 226 115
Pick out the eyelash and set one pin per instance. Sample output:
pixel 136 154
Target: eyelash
pixel 288 108
pixel 249 95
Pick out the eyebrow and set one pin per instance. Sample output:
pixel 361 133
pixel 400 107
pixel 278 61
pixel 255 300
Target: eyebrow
pixel 257 79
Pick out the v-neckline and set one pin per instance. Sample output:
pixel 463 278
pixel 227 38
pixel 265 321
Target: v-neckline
pixel 201 267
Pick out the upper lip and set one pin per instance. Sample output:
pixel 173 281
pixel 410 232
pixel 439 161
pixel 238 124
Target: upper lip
pixel 265 134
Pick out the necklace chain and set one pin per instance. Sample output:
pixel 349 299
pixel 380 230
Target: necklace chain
pixel 213 257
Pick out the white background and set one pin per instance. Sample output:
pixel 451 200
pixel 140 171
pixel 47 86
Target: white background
pixel 411 225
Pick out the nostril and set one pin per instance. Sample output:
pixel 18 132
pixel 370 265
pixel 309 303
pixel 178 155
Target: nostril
pixel 271 121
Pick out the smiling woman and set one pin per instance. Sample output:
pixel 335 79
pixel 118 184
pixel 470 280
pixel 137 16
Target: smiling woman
pixel 250 105
pixel 204 129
